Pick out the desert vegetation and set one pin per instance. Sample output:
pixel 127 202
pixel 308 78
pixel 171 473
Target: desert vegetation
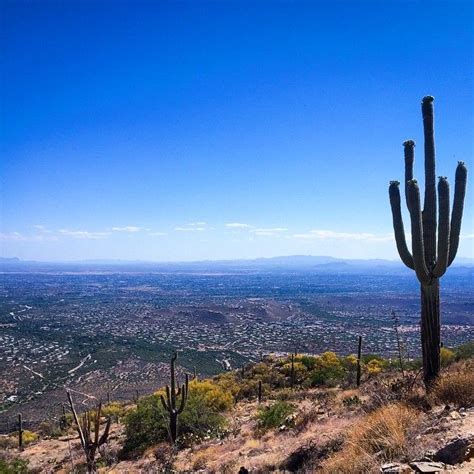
pixel 312 416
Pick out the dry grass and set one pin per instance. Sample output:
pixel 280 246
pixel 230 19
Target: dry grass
pixel 382 435
pixel 457 386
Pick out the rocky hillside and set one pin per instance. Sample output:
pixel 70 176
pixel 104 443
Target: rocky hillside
pixel 388 424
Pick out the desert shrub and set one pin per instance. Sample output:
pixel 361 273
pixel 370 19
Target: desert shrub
pixel 350 362
pixel 308 457
pixel 346 462
pixel 328 370
pixel 50 429
pixel 300 370
pixel 374 367
pixel 29 437
pixel 351 402
pixel 8 441
pixel 308 361
pixel 447 356
pixel 13 466
pixel 114 410
pixel 228 382
pixel 465 351
pixel 275 415
pixel 145 426
pixel 366 358
pixel 383 435
pixel 386 431
pixel 456 387
pixel 202 417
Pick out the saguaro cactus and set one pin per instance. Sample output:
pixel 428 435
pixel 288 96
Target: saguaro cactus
pixel 20 432
pixel 170 404
pixel 359 356
pixel 90 442
pixel 430 256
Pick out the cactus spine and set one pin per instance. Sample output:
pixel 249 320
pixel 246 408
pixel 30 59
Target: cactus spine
pixel 430 257
pixel 90 442
pixel 170 404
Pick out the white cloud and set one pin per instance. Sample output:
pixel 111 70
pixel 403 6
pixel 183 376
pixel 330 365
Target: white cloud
pixel 270 231
pixel 156 234
pixel 42 229
pixel 84 234
pixel 12 236
pixel 238 225
pixel 18 237
pixel 193 227
pixel 128 228
pixel 467 236
pixel 317 234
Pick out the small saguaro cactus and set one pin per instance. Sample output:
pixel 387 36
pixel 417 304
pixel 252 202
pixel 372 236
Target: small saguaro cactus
pixel 430 256
pixel 292 373
pixel 88 427
pixel 359 356
pixel 170 404
pixel 20 432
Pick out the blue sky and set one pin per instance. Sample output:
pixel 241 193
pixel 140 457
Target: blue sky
pixel 195 130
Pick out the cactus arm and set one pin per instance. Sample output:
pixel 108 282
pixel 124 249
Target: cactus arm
pixel 458 205
pixel 173 380
pixel 97 424
pixel 429 206
pixel 163 402
pixel 184 395
pixel 105 435
pixel 409 152
pixel 443 228
pixel 405 255
pixel 76 420
pixel 417 233
pixel 183 402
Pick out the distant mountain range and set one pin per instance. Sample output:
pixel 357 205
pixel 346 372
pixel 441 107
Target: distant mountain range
pixel 320 264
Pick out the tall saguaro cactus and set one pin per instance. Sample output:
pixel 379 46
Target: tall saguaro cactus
pixel 170 404
pixel 434 244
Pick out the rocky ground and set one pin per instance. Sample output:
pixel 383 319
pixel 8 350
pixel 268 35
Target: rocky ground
pixel 444 441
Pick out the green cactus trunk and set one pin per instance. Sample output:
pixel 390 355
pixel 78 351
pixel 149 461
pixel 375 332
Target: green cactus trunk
pixel 430 331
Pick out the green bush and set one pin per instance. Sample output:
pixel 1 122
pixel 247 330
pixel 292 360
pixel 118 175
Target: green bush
pixel 50 429
pixel 202 417
pixel 145 426
pixel 447 356
pixel 465 351
pixel 328 370
pixel 308 361
pixel 13 466
pixel 114 410
pixel 274 415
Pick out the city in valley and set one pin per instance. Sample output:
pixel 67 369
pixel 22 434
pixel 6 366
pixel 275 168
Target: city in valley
pixel 109 330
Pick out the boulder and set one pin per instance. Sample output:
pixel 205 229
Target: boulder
pixel 394 468
pixel 427 467
pixel 456 451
